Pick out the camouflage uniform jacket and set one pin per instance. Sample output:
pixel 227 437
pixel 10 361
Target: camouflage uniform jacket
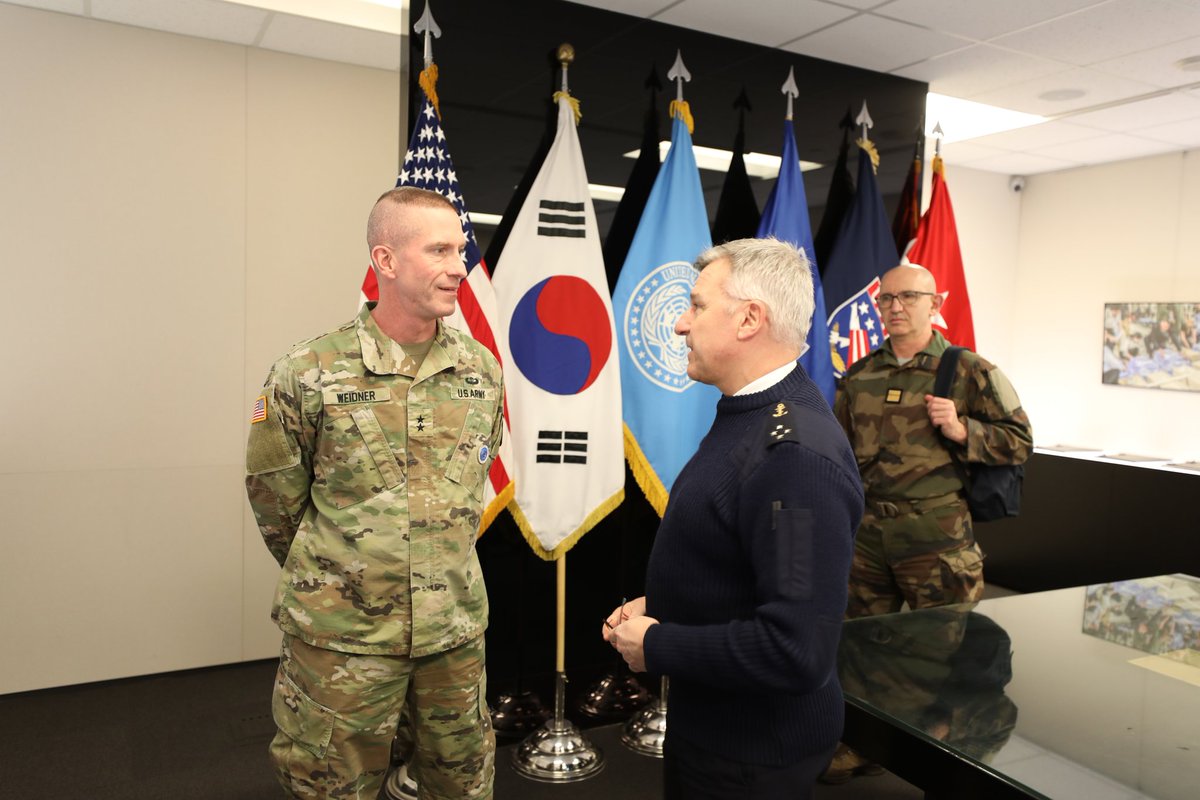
pixel 367 483
pixel 902 456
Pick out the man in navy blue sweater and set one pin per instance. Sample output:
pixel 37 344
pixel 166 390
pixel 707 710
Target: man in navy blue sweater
pixel 746 585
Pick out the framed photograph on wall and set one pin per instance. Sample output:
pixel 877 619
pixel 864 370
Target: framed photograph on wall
pixel 1152 345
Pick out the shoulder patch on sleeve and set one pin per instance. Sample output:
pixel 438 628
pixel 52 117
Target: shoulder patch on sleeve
pixel 267 448
pixel 781 425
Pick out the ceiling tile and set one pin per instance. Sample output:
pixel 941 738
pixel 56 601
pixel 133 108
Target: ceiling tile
pixel 980 20
pixel 1157 65
pixel 979 68
pixel 962 152
pixel 772 23
pixel 1020 164
pixel 75 7
pixel 228 22
pixel 1175 107
pixel 326 40
pixel 1185 134
pixel 861 4
pixel 1098 87
pixel 1107 30
pixel 1034 137
pixel 1109 147
pixel 875 43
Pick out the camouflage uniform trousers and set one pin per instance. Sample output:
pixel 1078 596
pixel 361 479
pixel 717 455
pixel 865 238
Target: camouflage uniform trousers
pixel 337 714
pixel 923 553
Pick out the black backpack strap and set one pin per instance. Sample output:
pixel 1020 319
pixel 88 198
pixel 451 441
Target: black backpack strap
pixel 945 372
pixel 941 388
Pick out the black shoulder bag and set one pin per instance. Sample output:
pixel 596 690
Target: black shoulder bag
pixel 993 492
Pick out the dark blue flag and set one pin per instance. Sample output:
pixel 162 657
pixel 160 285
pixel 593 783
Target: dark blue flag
pixel 862 252
pixel 786 218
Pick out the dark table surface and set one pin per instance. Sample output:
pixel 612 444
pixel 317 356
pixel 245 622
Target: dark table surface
pixel 1087 692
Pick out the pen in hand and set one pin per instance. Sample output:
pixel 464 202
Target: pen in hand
pixel 608 624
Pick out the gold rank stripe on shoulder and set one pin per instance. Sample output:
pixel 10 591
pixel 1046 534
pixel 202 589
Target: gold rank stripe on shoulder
pixel 260 409
pixel 893 396
pixel 343 396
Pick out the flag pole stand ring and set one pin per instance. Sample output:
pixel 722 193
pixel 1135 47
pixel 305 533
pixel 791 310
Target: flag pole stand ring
pixel 557 752
pixel 646 730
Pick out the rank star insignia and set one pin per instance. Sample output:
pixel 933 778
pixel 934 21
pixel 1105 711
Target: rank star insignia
pixel 780 431
pixel 421 423
pixel 780 411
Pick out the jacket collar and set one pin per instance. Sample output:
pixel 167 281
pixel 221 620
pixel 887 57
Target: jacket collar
pixel 382 355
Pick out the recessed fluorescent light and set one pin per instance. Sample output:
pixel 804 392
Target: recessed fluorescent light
pixel 760 165
pixel 371 15
pixel 599 191
pixel 486 220
pixel 966 119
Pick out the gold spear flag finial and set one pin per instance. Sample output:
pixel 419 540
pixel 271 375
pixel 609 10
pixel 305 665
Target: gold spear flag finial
pixel 566 57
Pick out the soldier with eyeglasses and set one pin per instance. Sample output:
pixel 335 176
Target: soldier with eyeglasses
pixel 915 544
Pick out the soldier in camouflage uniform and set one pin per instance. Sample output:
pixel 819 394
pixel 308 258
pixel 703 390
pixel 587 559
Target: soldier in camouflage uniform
pixel 915 543
pixel 366 461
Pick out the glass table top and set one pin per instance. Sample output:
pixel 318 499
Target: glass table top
pixel 1088 692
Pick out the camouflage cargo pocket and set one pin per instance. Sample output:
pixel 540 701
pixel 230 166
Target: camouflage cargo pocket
pixel 354 462
pixel 303 720
pixel 471 458
pixel 962 574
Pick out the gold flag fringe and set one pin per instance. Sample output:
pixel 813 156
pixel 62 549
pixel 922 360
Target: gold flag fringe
pixel 869 146
pixel 681 109
pixel 644 474
pixel 598 513
pixel 574 104
pixel 938 167
pixel 428 82
pixel 495 507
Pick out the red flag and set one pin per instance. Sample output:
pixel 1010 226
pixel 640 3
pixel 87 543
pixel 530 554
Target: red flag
pixel 936 249
pixel 427 165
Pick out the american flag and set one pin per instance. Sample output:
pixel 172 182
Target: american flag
pixel 260 409
pixel 427 165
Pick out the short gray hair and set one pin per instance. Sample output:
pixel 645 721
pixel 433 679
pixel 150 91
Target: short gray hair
pixel 776 273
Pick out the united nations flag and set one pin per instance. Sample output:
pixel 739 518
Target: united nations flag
pixel 666 413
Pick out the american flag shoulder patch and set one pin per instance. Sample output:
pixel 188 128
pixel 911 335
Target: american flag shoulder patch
pixel 260 409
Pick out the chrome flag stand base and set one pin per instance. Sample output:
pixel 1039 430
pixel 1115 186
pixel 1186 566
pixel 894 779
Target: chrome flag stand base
pixel 557 753
pixel 617 694
pixel 517 714
pixel 645 731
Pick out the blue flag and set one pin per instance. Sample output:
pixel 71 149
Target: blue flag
pixel 666 412
pixel 862 252
pixel 786 218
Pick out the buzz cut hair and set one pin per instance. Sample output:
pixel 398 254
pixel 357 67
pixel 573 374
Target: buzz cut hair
pixel 383 227
pixel 775 273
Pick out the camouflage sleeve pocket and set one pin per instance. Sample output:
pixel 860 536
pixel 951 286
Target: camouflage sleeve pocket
pixel 472 456
pixel 268 448
pixel 305 721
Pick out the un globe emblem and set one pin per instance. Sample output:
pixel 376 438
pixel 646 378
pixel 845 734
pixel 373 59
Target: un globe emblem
pixel 656 304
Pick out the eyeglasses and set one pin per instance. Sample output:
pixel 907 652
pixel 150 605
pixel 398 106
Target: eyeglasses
pixel 907 298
